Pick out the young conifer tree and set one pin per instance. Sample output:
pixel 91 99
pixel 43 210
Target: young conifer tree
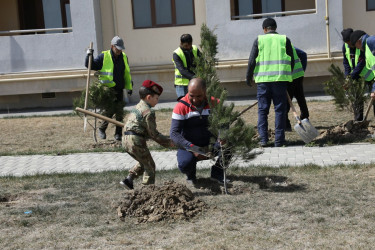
pixel 224 123
pixel 100 98
pixel 347 93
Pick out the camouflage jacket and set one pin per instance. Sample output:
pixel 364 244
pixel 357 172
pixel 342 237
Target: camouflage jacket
pixel 143 122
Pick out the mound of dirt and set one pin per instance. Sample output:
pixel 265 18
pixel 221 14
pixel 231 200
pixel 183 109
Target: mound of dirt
pixel 350 131
pixel 171 201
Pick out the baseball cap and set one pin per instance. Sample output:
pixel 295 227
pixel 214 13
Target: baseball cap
pixel 356 35
pixel 346 34
pixel 269 22
pixel 153 86
pixel 118 42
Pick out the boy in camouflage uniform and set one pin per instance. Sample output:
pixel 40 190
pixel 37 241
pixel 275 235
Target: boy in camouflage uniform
pixel 141 126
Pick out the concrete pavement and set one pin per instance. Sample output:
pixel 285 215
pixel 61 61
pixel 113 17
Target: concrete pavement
pixel 356 153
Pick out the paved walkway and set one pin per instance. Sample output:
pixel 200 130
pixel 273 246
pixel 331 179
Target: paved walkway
pixel 357 153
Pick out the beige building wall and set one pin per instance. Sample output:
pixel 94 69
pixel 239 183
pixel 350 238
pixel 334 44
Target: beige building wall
pixel 356 17
pixel 9 15
pixel 146 47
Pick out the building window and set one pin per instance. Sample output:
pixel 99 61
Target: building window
pixel 248 7
pixel 44 14
pixel 162 13
pixel 370 5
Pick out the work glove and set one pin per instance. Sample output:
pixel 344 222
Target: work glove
pixel 195 149
pixel 90 52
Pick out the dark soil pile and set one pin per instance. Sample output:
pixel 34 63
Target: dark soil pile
pixel 7 198
pixel 171 201
pixel 349 131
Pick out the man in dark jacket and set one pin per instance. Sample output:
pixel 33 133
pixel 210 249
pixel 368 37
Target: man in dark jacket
pixel 295 89
pixel 114 72
pixel 271 63
pixel 183 59
pixel 355 67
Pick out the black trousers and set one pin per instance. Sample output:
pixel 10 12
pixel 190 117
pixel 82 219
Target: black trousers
pixel 104 124
pixel 295 89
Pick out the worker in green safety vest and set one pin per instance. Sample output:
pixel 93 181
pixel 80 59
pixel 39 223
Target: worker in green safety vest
pixel 271 62
pixel 295 89
pixel 114 72
pixel 355 67
pixel 183 59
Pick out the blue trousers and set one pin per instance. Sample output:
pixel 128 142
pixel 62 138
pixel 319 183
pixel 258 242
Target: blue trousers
pixel 275 91
pixel 181 90
pixel 187 163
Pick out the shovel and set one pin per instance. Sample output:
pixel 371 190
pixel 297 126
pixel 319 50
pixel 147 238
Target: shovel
pixel 304 128
pixel 87 87
pixel 367 111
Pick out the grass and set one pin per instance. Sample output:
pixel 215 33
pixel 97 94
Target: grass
pixel 320 208
pixel 63 134
pixel 311 207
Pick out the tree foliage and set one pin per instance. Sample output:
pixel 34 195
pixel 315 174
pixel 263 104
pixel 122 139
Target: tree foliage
pixel 224 122
pixel 100 98
pixel 347 93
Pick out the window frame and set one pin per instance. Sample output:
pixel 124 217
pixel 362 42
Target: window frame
pixel 39 16
pixel 367 8
pixel 63 13
pixel 153 16
pixel 257 8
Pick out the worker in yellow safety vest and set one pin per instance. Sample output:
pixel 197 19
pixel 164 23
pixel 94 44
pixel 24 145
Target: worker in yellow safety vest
pixel 114 72
pixel 355 67
pixel 271 62
pixel 183 59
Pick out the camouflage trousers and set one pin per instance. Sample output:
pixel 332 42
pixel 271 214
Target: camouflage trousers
pixel 136 147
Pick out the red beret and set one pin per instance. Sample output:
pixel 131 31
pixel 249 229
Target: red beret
pixel 153 86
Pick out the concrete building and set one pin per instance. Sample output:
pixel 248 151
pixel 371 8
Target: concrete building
pixel 44 41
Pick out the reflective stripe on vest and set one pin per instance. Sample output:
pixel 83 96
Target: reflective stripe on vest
pixel 370 58
pixel 106 72
pixel 298 69
pixel 367 74
pixel 179 79
pixel 272 62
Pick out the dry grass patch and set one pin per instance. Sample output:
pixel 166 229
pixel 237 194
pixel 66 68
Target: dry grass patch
pixel 64 134
pixel 305 207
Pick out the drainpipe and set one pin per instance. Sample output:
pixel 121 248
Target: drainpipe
pixel 114 16
pixel 116 34
pixel 327 31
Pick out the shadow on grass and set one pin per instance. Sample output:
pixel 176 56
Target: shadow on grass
pixel 268 183
pixel 213 187
pixel 272 183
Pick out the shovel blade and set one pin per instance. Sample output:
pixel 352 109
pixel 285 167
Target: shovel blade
pixel 306 131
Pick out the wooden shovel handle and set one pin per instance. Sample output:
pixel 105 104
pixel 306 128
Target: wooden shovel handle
pixel 86 112
pixel 88 76
pixel 368 109
pixel 246 109
pixel 293 108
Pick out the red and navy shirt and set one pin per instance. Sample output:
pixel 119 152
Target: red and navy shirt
pixel 189 126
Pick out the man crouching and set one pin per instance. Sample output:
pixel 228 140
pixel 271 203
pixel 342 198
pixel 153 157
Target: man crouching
pixel 189 131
